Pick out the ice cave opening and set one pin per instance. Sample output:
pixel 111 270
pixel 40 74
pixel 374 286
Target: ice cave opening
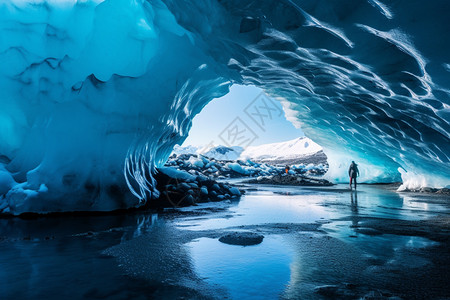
pixel 247 124
pixel 95 94
pixel 254 125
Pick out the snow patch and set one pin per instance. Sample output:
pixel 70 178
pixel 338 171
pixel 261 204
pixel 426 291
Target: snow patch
pixel 290 149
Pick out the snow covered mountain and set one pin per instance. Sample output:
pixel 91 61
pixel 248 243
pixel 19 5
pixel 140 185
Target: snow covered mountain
pixel 217 152
pixel 224 153
pixel 284 151
pixel 190 149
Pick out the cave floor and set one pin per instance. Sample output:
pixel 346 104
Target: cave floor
pixel 319 243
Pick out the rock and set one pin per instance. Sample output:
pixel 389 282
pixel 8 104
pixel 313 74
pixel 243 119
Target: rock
pixel 290 180
pixel 215 187
pixel 189 200
pixel 204 190
pixel 193 185
pixel 201 178
pixel 184 186
pixel 426 190
pixel 444 191
pixel 234 191
pixel 242 238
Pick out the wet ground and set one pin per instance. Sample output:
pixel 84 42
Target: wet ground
pixel 319 243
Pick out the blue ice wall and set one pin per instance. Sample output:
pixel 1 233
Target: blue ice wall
pixel 95 93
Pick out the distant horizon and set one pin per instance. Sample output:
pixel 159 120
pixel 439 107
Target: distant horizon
pixel 244 117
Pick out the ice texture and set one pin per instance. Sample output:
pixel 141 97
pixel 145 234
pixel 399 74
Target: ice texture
pixel 94 94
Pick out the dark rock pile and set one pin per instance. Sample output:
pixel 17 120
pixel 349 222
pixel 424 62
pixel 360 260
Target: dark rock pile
pixel 181 192
pixel 202 165
pixel 187 179
pixel 286 179
pixel 442 191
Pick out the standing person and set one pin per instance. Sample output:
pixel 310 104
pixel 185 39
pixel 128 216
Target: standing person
pixel 286 169
pixel 353 172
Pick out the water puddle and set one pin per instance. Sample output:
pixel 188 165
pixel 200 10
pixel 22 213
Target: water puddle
pixel 251 272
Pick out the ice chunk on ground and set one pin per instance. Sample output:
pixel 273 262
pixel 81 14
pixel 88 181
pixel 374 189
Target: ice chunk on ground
pixel 177 174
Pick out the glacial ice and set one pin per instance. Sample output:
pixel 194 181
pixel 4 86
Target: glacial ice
pixel 95 94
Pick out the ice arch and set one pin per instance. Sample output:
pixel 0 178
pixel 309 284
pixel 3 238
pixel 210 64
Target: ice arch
pixel 92 90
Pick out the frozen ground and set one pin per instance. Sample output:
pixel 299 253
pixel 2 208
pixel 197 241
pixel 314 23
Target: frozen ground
pixel 318 243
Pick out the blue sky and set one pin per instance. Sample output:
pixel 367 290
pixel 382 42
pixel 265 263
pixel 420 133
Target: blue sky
pixel 243 117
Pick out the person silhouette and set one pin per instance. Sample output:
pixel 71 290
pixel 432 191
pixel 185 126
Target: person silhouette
pixel 353 172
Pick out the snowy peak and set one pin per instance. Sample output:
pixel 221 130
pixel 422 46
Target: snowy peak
pixel 292 149
pixel 216 152
pixel 224 153
pixel 178 150
pixel 283 151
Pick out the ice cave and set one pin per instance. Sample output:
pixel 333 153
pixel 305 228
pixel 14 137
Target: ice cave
pixel 94 94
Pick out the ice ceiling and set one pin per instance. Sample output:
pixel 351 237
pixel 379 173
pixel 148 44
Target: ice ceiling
pixel 94 94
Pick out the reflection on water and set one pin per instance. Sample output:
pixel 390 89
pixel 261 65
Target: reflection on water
pixel 266 208
pixel 60 258
pixel 253 272
pixel 354 206
pixel 127 256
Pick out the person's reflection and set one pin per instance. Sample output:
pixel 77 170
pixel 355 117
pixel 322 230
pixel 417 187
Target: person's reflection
pixel 354 207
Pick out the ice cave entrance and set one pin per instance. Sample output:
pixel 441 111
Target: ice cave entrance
pixel 248 124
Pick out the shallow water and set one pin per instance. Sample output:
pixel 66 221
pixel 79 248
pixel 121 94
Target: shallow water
pixel 312 238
